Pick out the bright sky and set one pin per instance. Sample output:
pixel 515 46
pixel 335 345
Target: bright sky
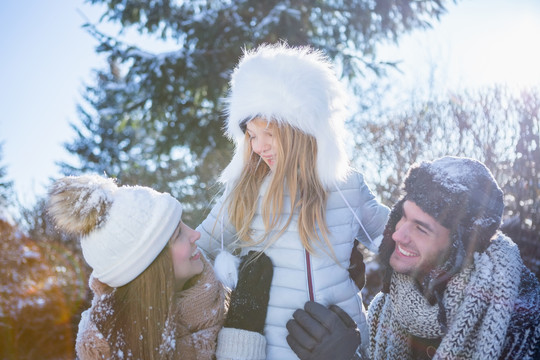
pixel 46 57
pixel 477 43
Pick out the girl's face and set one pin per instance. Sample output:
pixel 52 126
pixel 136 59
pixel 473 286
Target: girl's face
pixel 262 140
pixel 185 254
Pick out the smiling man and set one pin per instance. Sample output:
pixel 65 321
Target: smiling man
pixel 454 286
pixel 421 243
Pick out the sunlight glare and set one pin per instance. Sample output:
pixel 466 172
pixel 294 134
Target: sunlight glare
pixel 512 56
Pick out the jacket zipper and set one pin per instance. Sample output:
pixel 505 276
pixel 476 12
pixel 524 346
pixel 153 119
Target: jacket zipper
pixel 309 276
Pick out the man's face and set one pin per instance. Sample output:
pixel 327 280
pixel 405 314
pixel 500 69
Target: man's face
pixel 421 242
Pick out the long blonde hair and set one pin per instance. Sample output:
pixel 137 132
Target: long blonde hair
pixel 296 171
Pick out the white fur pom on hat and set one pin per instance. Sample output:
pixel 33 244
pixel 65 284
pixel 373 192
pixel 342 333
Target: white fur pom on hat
pixel 295 86
pixel 123 229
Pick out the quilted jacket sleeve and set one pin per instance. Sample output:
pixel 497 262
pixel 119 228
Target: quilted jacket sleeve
pixel 373 216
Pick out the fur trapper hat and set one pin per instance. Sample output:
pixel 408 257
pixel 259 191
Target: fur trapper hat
pixel 295 86
pixel 462 195
pixel 122 229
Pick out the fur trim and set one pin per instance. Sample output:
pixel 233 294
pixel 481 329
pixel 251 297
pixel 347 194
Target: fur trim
pixel 294 86
pixel 79 205
pixel 460 194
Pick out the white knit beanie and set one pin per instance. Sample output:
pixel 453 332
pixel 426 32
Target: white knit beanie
pixel 295 86
pixel 123 229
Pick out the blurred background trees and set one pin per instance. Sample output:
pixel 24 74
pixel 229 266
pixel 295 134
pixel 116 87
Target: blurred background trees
pixel 494 125
pixel 42 284
pixel 6 186
pixel 156 119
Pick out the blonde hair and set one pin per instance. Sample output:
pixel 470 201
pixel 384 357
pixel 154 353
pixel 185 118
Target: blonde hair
pixel 296 171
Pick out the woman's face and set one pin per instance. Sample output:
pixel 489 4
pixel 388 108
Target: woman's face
pixel 185 254
pixel 262 140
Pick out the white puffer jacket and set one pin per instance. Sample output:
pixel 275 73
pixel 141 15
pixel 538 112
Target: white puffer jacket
pixel 300 276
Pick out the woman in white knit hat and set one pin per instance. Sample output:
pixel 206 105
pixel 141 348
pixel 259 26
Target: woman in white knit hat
pixel 155 295
pixel 289 190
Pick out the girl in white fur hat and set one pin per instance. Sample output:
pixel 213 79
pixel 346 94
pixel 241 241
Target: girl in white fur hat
pixel 289 190
pixel 155 295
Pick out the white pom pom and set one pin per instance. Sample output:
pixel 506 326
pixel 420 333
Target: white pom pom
pixel 226 269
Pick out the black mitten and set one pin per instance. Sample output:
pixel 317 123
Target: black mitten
pixel 320 333
pixel 357 268
pixel 249 300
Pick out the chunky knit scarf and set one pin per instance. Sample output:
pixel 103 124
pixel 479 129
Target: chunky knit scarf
pixel 481 304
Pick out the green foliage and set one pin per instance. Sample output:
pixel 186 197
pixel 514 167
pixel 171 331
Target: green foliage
pixel 156 119
pixel 114 142
pixel 214 30
pixel 7 194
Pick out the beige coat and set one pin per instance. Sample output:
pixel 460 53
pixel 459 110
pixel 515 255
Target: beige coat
pixel 194 326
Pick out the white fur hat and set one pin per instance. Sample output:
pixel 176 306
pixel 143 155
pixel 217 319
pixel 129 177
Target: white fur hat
pixel 295 86
pixel 123 229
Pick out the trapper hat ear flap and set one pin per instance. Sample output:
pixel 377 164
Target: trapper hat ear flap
pixel 462 195
pixel 388 245
pixel 484 213
pixel 458 192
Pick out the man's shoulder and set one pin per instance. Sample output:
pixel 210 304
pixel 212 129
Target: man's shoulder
pixel 500 245
pixel 529 290
pixel 523 333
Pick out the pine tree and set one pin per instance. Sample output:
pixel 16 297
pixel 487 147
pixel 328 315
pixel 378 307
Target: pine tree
pixel 6 186
pixel 165 113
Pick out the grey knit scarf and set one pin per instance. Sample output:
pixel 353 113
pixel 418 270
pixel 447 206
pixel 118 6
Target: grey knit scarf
pixel 479 303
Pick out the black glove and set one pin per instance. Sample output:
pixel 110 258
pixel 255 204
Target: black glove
pixel 318 333
pixel 357 268
pixel 249 300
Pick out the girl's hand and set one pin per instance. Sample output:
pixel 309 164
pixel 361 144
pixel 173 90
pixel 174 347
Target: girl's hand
pixel 249 300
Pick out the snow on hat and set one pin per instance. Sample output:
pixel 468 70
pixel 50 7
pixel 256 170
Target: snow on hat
pixel 458 192
pixel 289 85
pixel 122 229
pixel 462 195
